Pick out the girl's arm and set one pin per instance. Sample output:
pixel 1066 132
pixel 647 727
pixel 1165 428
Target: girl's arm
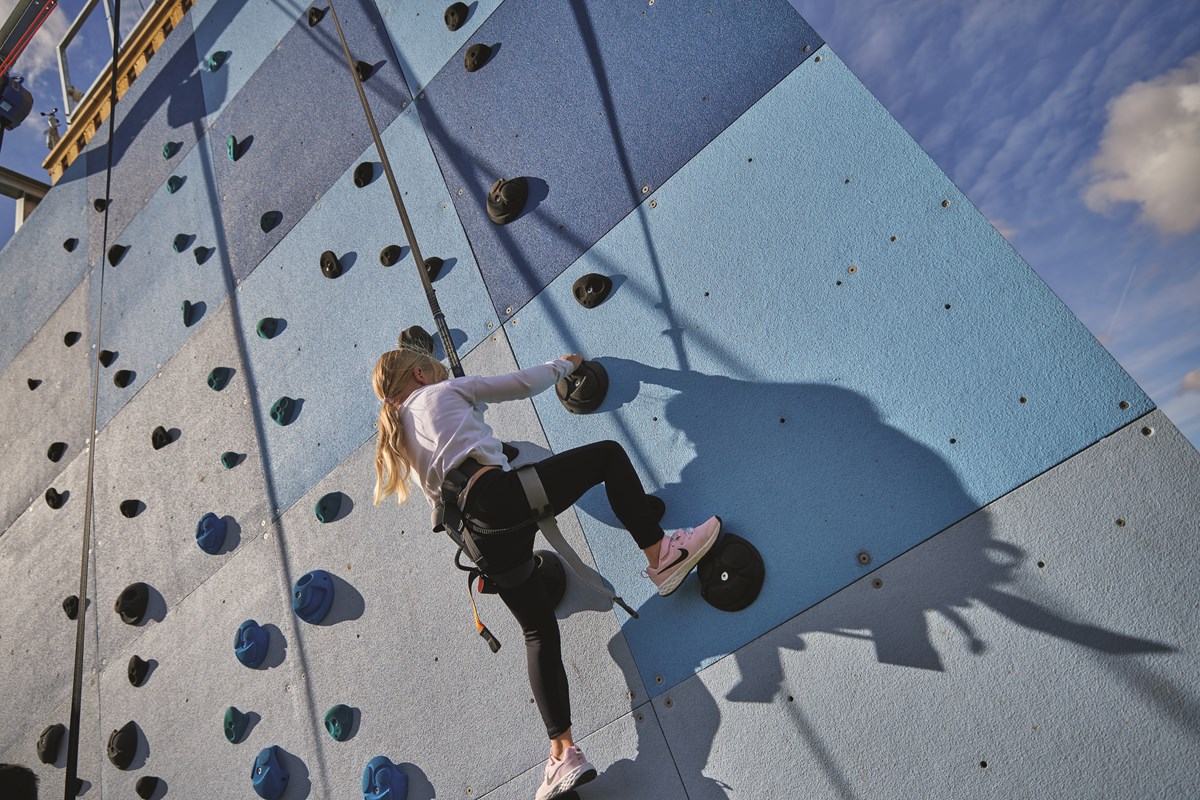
pixel 515 385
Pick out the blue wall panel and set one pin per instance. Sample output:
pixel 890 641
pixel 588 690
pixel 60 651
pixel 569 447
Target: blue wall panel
pixel 593 101
pixel 816 418
pixel 420 36
pixel 300 126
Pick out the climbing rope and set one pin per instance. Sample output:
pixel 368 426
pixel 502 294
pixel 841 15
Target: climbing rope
pixel 439 318
pixel 69 787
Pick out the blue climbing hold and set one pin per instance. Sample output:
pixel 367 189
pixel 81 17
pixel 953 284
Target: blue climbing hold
pixel 210 533
pixel 250 643
pixel 312 596
pixel 383 780
pixel 269 776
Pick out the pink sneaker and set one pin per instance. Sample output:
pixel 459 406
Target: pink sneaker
pixel 680 552
pixel 564 775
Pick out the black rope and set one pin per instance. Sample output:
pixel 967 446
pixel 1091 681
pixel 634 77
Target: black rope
pixel 439 318
pixel 70 785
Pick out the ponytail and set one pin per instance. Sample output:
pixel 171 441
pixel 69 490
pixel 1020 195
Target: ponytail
pixel 392 381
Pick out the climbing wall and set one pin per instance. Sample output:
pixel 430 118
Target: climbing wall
pixel 976 527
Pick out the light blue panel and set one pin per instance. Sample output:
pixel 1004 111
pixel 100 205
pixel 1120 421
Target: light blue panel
pixel 420 37
pixel 246 32
pixel 1038 636
pixel 143 321
pixel 336 329
pixel 36 273
pixel 776 359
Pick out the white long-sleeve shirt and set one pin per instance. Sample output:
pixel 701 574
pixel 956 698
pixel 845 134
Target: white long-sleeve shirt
pixel 443 422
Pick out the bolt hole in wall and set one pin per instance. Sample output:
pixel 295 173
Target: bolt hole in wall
pixel 1041 565
pixel 983 765
pixel 1120 523
pixel 1147 431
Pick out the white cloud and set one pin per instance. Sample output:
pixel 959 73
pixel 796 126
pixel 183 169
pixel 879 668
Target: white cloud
pixel 1191 383
pixel 41 55
pixel 1150 151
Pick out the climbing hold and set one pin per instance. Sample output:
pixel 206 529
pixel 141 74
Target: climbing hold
pixel 174 182
pixel 433 267
pixel 56 451
pixel 146 786
pixel 70 338
pixel 506 199
pixel 70 244
pixel 218 379
pixel 363 70
pixel 123 378
pixel 130 508
pixel 583 390
pixel 217 59
pixel 122 745
pixel 592 289
pixel 364 173
pixel 231 148
pixel 159 438
pixel 731 575
pixel 170 149
pixel 267 328
pixel 328 506
pixel 338 721
pixel 186 308
pixel 49 743
pixel 250 643
pixel 315 15
pixel 236 723
pixel 107 357
pixel 383 780
pixel 33 383
pixel 331 267
pixel 477 55
pixel 137 670
pixel 131 603
pixel 71 606
pixel 180 242
pixel 210 533
pixel 201 253
pixel 456 15
pixel 116 253
pixel 269 776
pixel 416 339
pixel 100 204
pixel 553 577
pixel 312 596
pixel 53 498
pixel 270 220
pixel 390 254
pixel 281 410
pixel 229 459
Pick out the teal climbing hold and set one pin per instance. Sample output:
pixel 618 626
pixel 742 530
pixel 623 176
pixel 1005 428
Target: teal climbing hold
pixel 270 220
pixel 202 253
pixel 217 59
pixel 328 506
pixel 229 459
pixel 338 721
pixel 174 182
pixel 186 307
pixel 236 723
pixel 267 328
pixel 180 242
pixel 218 379
pixel 281 410
pixel 231 147
pixel 170 149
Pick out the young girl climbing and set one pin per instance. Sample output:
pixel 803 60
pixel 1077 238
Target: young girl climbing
pixel 430 423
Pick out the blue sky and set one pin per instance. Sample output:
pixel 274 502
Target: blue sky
pixel 1073 126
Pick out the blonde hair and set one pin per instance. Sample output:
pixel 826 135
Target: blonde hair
pixel 393 381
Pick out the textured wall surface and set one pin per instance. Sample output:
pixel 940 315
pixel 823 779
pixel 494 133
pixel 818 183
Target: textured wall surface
pixel 812 333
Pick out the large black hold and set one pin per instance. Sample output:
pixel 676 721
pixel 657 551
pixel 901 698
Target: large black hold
pixel 390 254
pixel 506 200
pixel 363 70
pixel 364 173
pixel 71 337
pixel 137 670
pixel 130 508
pixel 159 438
pixel 592 289
pixel 131 604
pixel 732 573
pixel 70 244
pixel 53 498
pixel 583 390
pixel 146 786
pixel 123 378
pixel 49 743
pixel 116 253
pixel 122 745
pixel 331 267
pixel 107 357
pixel 477 55
pixel 71 607
pixel 456 15
pixel 56 451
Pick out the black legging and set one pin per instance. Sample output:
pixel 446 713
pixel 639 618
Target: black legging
pixel 498 500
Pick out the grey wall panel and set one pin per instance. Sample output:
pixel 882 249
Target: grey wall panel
pixel 51 777
pixel 1051 636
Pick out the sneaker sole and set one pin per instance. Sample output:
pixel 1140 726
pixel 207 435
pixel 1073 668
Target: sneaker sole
pixel 690 563
pixel 573 782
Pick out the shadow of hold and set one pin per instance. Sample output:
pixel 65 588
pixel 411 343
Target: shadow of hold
pixel 203 254
pixel 233 534
pixel 160 791
pixel 193 312
pixel 345 506
pixel 419 787
pixel 244 145
pixel 277 652
pixel 151 665
pixel 348 603
pixel 348 260
pixel 142 754
pixel 252 719
pixel 539 190
pixel 156 607
pixel 173 435
pixel 458 338
pixel 299 785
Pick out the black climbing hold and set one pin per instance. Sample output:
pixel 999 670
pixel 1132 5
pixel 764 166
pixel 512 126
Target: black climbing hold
pixel 416 339
pixel 506 199
pixel 281 410
pixel 71 337
pixel 70 244
pixel 122 745
pixel 433 267
pixel 267 327
pixel 315 15
pixel 217 59
pixel 231 148
pixel 592 289
pixel 210 533
pixel 251 642
pixel 553 577
pixel 456 15
pixel 583 390
pixel 312 596
pixel 229 459
pixel 186 309
pixel 170 149
pixel 235 725
pixel 270 220
pixel 390 254
pixel 202 253
pixel 130 508
pixel 53 498
pixel 146 786
pixel 107 357
pixel 56 450
pixel 328 506
pixel 100 204
pixel 510 452
pixel 270 776
pixel 477 55
pixel 116 253
pixel 180 242
pixel 159 438
pixel 338 721
pixel 363 70
pixel 174 182
pixel 331 267
pixel 131 603
pixel 123 378
pixel 137 670
pixel 364 173
pixel 218 379
pixel 49 743
pixel 731 575
pixel 33 383
pixel 71 606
